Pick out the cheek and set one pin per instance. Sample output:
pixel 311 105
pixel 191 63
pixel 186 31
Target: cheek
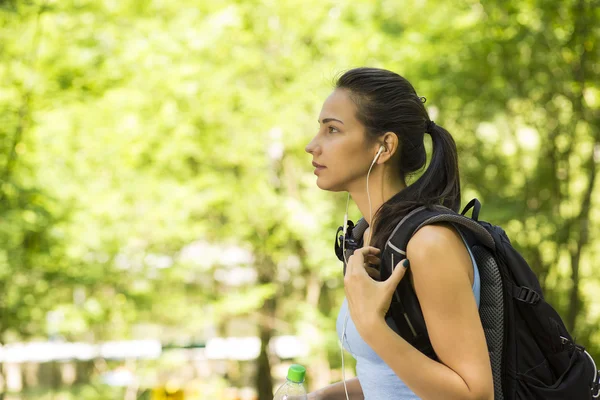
pixel 345 158
pixel 343 153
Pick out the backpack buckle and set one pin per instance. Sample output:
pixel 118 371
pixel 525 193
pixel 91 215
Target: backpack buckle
pixel 348 242
pixel 527 295
pixel 596 381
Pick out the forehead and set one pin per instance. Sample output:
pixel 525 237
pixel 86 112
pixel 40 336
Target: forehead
pixel 339 105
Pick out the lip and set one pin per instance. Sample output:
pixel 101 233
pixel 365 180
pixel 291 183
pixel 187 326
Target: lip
pixel 319 166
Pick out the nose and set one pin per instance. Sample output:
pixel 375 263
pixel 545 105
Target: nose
pixel 311 147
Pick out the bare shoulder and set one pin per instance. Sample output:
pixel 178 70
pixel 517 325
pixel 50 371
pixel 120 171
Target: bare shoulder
pixel 439 243
pixel 434 238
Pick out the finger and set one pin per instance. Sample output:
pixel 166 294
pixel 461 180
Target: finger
pixel 355 259
pixel 358 267
pixel 367 250
pixel 373 273
pixel 374 260
pixel 398 274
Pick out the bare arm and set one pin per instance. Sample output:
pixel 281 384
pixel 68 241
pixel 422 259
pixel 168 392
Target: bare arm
pixel 438 261
pixel 336 391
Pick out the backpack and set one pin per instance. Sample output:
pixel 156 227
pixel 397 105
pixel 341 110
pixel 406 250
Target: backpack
pixel 532 354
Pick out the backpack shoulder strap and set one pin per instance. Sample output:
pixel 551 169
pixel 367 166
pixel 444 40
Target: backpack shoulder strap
pixel 423 216
pixel 407 227
pixel 405 309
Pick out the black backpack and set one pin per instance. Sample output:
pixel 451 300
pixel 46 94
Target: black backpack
pixel 532 354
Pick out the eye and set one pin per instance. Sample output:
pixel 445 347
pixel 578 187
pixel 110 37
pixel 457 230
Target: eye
pixel 332 129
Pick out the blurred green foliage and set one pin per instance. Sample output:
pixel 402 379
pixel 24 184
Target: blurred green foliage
pixel 130 130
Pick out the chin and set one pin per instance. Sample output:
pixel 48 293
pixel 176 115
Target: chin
pixel 323 185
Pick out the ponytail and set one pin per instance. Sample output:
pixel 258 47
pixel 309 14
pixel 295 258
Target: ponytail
pixel 439 185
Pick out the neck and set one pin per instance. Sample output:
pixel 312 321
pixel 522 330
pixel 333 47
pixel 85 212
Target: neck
pixel 381 188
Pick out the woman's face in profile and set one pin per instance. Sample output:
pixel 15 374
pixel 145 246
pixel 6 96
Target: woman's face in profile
pixel 341 155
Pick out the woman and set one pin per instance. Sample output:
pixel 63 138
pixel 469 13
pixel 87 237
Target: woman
pixel 370 140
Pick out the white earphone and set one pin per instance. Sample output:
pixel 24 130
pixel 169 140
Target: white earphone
pixel 381 149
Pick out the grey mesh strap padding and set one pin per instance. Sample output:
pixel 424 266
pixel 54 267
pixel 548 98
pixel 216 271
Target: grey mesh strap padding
pixel 491 312
pixel 483 236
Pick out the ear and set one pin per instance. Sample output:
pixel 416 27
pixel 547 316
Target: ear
pixel 390 141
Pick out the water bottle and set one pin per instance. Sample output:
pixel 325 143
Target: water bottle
pixel 293 388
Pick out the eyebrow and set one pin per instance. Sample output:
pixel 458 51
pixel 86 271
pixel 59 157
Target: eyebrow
pixel 325 120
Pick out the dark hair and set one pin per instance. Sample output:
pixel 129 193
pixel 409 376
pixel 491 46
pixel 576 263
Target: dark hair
pixel 387 102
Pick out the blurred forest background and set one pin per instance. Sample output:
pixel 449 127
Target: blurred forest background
pixel 154 184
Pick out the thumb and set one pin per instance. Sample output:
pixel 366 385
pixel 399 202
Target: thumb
pixel 398 273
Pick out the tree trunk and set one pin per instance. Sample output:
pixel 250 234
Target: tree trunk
pixel 579 36
pixel 320 371
pixel 574 301
pixel 264 379
pixel 2 381
pixel 584 221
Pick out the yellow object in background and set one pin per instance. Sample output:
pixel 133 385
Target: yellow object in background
pixel 164 394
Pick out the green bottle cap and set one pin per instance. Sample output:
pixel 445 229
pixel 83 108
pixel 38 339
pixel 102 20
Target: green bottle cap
pixel 296 373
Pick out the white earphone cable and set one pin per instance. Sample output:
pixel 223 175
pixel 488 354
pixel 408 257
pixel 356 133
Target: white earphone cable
pixel 346 260
pixel 346 316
